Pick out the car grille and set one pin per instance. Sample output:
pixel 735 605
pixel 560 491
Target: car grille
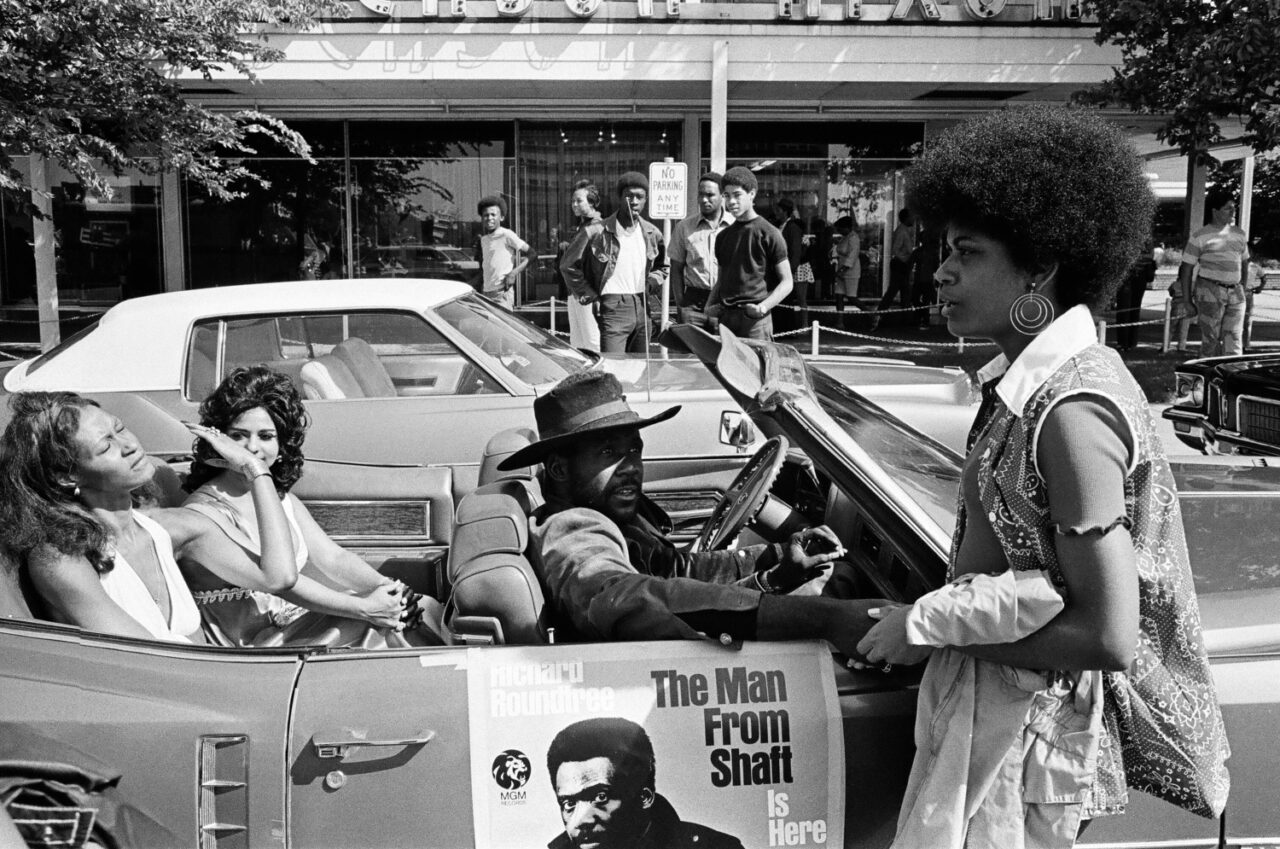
pixel 1259 419
pixel 1213 403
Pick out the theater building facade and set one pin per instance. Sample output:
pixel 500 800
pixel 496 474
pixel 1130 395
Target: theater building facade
pixel 415 109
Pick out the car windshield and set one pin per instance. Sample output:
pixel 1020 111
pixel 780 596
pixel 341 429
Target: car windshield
pixel 925 470
pixel 457 254
pixel 532 354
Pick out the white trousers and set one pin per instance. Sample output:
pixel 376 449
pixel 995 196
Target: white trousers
pixel 584 329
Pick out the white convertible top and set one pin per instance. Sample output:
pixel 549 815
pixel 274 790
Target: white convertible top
pixel 139 344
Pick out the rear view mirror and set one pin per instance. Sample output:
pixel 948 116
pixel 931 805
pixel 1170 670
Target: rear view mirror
pixel 737 430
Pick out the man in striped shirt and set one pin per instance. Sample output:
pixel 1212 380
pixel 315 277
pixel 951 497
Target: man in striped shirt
pixel 1217 260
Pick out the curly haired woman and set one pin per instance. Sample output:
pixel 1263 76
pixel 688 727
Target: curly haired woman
pixel 1044 209
pixel 349 603
pixel 70 478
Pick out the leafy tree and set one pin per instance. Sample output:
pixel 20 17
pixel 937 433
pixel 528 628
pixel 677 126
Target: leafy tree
pixel 90 85
pixel 1197 62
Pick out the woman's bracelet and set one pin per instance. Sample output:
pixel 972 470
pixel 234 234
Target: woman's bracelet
pixel 259 474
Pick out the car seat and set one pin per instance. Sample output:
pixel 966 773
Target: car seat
pixel 327 378
pixel 496 595
pixel 359 357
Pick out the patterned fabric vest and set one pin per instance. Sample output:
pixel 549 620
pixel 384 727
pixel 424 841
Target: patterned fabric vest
pixel 1163 730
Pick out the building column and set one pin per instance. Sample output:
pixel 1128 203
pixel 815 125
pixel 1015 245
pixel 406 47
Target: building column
pixel 1194 214
pixel 719 104
pixel 173 246
pixel 45 255
pixel 691 153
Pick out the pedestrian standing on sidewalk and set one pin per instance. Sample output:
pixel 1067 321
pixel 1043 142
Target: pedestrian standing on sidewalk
pixel 848 266
pixel 500 250
pixel 581 303
pixel 1129 297
pixel 751 254
pixel 1044 209
pixel 902 251
pixel 796 234
pixel 1213 277
pixel 692 252
pixel 619 260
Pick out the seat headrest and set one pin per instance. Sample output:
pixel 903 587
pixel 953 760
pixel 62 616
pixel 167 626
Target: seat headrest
pixel 359 356
pixel 489 573
pixel 502 445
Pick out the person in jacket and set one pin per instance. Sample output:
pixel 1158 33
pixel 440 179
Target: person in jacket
pixel 582 305
pixel 620 261
pixel 601 550
pixel 604 775
pixel 1064 473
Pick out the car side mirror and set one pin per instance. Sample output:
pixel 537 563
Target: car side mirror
pixel 737 430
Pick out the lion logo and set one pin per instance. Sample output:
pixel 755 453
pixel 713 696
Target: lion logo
pixel 511 769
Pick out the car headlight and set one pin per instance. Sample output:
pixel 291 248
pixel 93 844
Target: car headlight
pixel 1189 389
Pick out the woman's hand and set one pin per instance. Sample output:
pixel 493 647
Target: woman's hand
pixel 383 606
pixel 805 556
pixel 232 455
pixel 886 644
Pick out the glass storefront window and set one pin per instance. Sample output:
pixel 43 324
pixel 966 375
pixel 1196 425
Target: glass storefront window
pixel 555 156
pixel 107 248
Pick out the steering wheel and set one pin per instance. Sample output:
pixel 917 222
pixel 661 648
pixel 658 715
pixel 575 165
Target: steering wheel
pixel 744 497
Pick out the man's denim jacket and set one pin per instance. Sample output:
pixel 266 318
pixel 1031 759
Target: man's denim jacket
pixel 589 260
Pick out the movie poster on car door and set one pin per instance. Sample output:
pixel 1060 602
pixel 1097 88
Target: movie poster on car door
pixel 747 747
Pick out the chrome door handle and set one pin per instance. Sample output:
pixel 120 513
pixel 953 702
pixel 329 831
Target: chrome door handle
pixel 336 744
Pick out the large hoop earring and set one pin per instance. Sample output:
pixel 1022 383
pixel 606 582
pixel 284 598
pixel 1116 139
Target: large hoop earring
pixel 1031 313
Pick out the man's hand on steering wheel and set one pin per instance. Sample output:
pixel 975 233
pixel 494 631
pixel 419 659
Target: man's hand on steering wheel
pixel 805 556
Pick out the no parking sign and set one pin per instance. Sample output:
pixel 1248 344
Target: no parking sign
pixel 668 190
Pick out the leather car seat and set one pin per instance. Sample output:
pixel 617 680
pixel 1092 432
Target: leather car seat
pixel 359 357
pixel 500 446
pixel 496 595
pixel 327 378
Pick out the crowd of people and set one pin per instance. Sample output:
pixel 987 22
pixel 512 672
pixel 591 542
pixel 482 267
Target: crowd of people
pixel 1068 626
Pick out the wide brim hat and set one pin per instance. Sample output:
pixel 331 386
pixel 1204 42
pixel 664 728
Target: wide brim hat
pixel 584 403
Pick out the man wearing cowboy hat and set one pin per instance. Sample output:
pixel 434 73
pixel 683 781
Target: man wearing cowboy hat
pixel 601 550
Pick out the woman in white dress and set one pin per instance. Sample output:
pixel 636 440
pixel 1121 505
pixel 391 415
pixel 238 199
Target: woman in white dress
pixel 338 600
pixel 70 475
pixel 584 327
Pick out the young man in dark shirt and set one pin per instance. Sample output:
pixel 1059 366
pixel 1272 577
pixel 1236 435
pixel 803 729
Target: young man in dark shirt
pixel 751 254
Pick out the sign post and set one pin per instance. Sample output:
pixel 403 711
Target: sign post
pixel 668 201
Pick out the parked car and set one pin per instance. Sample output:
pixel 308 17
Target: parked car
pixel 444 262
pixel 306 747
pixel 413 371
pixel 1229 405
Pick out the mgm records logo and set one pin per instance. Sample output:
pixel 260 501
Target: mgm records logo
pixel 510 772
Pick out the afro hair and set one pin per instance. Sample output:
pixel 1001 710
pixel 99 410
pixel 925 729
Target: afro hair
pixel 1053 184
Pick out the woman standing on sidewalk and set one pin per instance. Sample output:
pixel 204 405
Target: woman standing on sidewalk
pixel 584 328
pixel 1043 210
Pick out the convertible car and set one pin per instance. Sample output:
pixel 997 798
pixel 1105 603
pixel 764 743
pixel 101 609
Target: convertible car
pixel 1229 405
pixel 166 745
pixel 418 372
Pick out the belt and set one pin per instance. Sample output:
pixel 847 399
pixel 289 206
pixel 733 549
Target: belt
pixel 1230 285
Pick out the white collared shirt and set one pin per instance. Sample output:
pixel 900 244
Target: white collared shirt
pixel 1067 336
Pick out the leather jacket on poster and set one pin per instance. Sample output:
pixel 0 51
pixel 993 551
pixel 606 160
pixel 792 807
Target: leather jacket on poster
pixel 589 260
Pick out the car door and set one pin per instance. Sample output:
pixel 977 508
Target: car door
pixel 379 751
pixel 196 735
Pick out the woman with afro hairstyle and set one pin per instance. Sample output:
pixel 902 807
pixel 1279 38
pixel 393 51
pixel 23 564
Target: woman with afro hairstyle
pixel 73 484
pixel 1035 713
pixel 338 600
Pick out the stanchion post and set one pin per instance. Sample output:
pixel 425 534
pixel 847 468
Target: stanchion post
pixel 814 333
pixel 960 344
pixel 552 303
pixel 1102 331
pixel 1168 325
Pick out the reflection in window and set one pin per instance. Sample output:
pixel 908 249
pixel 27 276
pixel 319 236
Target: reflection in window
pixel 532 355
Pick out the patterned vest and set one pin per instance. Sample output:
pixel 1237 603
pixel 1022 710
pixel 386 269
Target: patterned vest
pixel 1163 731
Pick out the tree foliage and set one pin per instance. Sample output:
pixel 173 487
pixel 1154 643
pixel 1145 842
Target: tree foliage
pixel 1196 61
pixel 91 85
